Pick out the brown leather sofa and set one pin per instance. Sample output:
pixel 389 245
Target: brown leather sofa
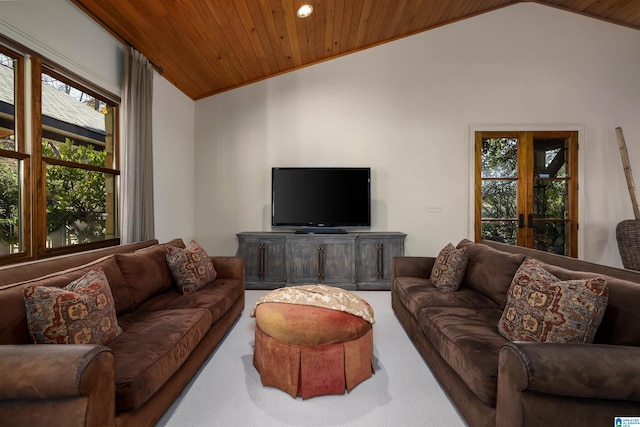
pixel 131 381
pixel 495 382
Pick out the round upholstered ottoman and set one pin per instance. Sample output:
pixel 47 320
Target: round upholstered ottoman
pixel 313 340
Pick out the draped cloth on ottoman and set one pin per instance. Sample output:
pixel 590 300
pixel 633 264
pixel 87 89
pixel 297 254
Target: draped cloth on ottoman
pixel 309 342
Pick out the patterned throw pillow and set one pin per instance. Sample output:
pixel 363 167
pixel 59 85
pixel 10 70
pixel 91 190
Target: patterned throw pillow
pixel 449 268
pixel 82 312
pixel 541 308
pixel 191 267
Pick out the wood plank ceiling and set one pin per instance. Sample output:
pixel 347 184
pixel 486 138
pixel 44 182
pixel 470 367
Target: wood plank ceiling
pixel 206 47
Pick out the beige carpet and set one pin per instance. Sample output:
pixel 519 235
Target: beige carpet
pixel 227 391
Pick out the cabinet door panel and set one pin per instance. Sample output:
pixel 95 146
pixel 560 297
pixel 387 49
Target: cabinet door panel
pixel 274 261
pixel 374 255
pixel 338 262
pixel 303 257
pixel 249 249
pixel 367 260
pixel 264 258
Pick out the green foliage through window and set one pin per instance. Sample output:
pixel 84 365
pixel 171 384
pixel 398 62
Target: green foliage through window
pixel 76 197
pixel 9 205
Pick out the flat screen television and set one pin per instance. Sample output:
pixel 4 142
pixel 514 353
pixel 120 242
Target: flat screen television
pixel 321 200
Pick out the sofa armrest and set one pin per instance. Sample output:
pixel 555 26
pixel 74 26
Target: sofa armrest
pixel 37 373
pixel 229 267
pixel 582 372
pixel 412 266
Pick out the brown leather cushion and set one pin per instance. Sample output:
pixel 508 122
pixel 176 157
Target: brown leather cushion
pixel 308 325
pixel 417 293
pixel 146 271
pixel 469 341
pixel 218 297
pixel 490 271
pixel 153 347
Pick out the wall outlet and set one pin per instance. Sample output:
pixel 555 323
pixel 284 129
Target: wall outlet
pixel 434 208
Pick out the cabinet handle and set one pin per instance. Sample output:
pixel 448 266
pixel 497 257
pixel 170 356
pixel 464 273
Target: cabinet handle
pixel 261 261
pixel 321 262
pixel 530 220
pixel 380 272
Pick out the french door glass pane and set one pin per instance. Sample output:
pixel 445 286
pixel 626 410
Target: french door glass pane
pixel 10 226
pixel 500 231
pixel 550 236
pixel 499 157
pixel 499 199
pixel 550 157
pixel 550 199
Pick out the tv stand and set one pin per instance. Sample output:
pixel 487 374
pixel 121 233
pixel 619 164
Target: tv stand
pixel 353 260
pixel 321 230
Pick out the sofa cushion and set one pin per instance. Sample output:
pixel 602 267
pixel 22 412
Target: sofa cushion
pixel 83 312
pixel 146 272
pixel 449 268
pixel 542 308
pixel 216 296
pixel 190 267
pixel 152 347
pixel 468 340
pixel 490 271
pixel 416 293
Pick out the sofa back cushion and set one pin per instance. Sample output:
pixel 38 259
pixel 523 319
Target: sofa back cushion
pixel 14 273
pixel 13 321
pixel 146 271
pixel 489 271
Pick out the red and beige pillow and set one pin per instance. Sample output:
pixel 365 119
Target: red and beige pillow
pixel 190 267
pixel 542 308
pixel 82 312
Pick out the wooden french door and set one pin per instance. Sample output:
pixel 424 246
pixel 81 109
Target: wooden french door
pixel 526 189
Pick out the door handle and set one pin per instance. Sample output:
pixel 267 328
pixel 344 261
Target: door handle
pixel 321 262
pixel 380 272
pixel 521 221
pixel 261 262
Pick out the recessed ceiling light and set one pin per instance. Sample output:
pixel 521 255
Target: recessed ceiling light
pixel 304 11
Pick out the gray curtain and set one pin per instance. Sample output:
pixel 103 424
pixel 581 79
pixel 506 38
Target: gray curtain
pixel 136 160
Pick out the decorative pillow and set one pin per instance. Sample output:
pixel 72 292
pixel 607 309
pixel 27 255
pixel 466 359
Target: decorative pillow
pixel 542 308
pixel 191 267
pixel 448 270
pixel 82 312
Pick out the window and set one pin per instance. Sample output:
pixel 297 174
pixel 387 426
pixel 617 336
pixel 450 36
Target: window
pixel 527 189
pixel 59 177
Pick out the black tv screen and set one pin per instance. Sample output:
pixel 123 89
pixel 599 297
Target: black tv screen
pixel 321 197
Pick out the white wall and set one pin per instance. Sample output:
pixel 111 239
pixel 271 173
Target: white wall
pixel 405 109
pixel 61 32
pixel 173 162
